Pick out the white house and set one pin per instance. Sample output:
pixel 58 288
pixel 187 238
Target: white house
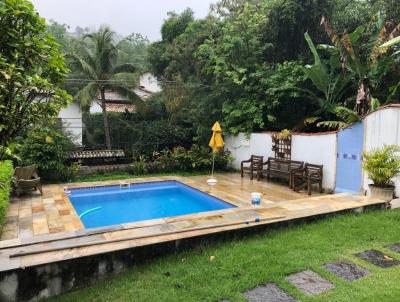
pixel 71 116
pixel 148 85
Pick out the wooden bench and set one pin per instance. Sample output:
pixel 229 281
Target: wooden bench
pixel 95 157
pixel 281 168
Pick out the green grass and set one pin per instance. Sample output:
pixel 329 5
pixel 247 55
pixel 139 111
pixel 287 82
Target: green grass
pixel 240 265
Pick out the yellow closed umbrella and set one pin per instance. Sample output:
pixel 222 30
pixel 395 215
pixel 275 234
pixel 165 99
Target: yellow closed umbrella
pixel 216 142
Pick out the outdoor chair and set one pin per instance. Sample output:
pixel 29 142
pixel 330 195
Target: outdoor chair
pixel 255 166
pixel 306 177
pixel 26 179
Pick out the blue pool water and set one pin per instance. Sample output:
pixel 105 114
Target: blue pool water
pixel 103 206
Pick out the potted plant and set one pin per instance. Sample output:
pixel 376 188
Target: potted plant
pixel 381 166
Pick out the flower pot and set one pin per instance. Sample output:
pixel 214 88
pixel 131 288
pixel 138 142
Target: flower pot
pixel 382 193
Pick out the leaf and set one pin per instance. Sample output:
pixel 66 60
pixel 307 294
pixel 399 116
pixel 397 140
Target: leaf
pixel 391 42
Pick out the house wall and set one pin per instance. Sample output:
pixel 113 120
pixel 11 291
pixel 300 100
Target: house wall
pixel 317 149
pixel 382 127
pixel 71 117
pixel 149 82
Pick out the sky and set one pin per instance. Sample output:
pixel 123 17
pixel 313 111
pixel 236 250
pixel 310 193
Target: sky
pixel 124 16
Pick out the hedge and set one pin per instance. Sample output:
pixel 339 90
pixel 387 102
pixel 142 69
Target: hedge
pixel 6 173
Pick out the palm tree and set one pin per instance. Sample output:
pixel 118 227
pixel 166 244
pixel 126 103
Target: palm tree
pixel 96 68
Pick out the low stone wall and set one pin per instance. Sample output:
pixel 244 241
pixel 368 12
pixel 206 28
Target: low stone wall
pixel 91 170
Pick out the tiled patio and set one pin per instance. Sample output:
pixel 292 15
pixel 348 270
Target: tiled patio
pixel 33 214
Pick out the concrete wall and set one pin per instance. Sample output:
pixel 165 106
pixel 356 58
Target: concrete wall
pixel 72 121
pixel 317 149
pixel 382 127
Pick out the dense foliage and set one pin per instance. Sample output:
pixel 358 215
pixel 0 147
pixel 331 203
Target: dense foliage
pixel 6 174
pixel 244 64
pixel 136 136
pixel 197 158
pixel 31 71
pixel 46 147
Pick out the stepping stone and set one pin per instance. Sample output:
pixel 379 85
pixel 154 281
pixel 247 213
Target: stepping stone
pixel 378 258
pixel 268 293
pixel 310 283
pixel 346 270
pixel 394 247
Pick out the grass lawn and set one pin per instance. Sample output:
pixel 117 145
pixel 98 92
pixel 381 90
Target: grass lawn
pixel 265 257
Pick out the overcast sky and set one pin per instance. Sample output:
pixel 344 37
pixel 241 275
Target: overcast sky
pixel 124 16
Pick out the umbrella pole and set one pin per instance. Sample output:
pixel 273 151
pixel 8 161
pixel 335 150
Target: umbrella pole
pixel 212 170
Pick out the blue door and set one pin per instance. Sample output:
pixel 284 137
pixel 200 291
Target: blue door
pixel 349 158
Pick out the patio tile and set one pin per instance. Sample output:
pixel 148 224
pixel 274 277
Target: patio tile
pixel 25 212
pixel 268 293
pixel 309 282
pixel 40 228
pixel 395 247
pixel 346 270
pixel 378 258
pixel 39 208
pixel 64 212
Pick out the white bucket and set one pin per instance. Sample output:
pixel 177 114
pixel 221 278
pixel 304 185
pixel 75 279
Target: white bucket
pixel 256 198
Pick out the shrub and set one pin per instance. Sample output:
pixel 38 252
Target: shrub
pixel 180 159
pixel 382 165
pixel 46 147
pixel 6 173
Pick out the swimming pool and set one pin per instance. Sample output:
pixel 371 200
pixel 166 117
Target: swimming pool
pixel 104 206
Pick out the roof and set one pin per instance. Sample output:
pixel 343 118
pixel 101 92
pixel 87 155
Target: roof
pixel 112 96
pixel 119 107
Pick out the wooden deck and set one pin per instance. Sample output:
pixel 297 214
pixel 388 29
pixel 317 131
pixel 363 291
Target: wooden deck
pixel 278 204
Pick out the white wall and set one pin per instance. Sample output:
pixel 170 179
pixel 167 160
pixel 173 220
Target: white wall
pixel 315 149
pixel 71 117
pixel 242 147
pixel 149 82
pixel 319 149
pixel 382 127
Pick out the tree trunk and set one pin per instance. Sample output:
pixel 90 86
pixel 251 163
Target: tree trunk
pixel 363 99
pixel 105 120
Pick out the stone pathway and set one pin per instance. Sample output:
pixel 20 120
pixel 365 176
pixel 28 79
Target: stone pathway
pixel 346 270
pixel 378 258
pixel 395 247
pixel 268 293
pixel 309 282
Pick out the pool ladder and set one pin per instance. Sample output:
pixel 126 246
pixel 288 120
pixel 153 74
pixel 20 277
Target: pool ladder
pixel 124 185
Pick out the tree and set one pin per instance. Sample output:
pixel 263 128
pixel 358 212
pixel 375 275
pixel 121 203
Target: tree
pixel 334 87
pixel 362 56
pixel 32 70
pixel 96 61
pixel 133 49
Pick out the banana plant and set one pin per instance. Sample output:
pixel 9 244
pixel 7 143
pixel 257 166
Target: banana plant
pixel 333 86
pixel 368 70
